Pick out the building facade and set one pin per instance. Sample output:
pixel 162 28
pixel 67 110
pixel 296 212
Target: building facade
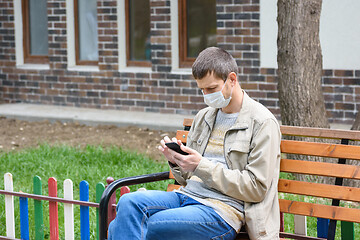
pixel 136 55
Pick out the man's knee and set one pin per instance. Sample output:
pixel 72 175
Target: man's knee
pixel 135 200
pixel 126 201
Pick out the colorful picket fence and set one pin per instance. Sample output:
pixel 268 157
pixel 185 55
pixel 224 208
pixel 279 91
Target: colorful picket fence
pixel 300 222
pixel 53 200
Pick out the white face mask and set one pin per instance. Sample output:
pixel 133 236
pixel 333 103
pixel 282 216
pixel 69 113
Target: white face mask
pixel 217 99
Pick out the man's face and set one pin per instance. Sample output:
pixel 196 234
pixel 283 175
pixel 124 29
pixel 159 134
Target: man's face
pixel 211 83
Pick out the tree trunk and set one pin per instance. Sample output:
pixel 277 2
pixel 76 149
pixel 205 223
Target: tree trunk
pixel 356 125
pixel 352 182
pixel 300 70
pixel 300 64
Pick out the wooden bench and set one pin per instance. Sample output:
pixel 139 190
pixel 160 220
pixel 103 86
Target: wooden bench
pixel 320 201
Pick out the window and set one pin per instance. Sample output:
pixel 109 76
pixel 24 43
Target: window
pixel 138 33
pixel 197 28
pixel 35 31
pixel 86 36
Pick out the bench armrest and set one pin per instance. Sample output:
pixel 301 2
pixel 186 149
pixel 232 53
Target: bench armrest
pixel 109 190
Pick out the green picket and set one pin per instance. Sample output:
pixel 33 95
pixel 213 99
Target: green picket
pixel 99 191
pixel 38 210
pixel 347 231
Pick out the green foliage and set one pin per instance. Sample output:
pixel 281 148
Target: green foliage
pixel 93 164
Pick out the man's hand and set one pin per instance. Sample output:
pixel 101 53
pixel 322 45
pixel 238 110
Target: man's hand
pixel 187 162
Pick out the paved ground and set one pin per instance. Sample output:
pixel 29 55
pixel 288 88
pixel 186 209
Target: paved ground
pixel 33 112
pixel 88 116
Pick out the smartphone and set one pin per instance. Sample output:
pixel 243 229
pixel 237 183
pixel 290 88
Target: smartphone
pixel 176 147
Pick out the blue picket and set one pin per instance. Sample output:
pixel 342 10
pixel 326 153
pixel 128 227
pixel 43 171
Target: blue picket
pixel 84 211
pixel 322 227
pixel 24 218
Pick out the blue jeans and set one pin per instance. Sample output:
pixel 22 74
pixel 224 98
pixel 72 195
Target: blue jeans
pixel 166 215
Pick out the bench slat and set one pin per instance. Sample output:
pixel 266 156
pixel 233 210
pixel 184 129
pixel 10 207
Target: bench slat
pixel 319 190
pixel 182 135
pixel 318 210
pixel 320 132
pixel 188 122
pixel 310 189
pixel 308 131
pixel 320 168
pixel 321 149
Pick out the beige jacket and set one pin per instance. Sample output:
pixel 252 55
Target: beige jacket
pixel 252 152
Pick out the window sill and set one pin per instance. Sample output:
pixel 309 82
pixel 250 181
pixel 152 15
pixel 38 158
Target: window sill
pixel 84 68
pixel 34 66
pixel 182 71
pixel 136 69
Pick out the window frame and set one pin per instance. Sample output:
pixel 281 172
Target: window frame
pixel 28 58
pixel 129 62
pixel 77 43
pixel 184 60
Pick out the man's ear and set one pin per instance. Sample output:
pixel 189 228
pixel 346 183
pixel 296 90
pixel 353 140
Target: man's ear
pixel 233 77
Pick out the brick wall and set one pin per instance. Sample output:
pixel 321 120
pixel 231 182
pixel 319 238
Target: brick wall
pixel 239 33
pixel 159 89
pixel 7 49
pixel 342 94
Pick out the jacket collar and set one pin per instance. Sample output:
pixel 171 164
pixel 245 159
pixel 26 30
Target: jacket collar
pixel 210 116
pixel 243 120
pixel 244 116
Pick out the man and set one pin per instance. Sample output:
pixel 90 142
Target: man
pixel 229 176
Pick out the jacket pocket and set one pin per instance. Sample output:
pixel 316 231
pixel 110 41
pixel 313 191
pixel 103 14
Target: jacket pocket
pixel 238 153
pixel 242 147
pixel 238 141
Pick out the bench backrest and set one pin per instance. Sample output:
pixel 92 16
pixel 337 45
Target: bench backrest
pixel 320 192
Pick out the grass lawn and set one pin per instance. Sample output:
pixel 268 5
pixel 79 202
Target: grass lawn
pixel 93 164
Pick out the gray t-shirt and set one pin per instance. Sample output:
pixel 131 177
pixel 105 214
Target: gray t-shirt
pixel 214 152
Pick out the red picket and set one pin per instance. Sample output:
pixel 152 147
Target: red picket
pixel 111 210
pixel 124 190
pixel 53 210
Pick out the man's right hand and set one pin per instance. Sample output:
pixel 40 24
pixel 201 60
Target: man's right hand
pixel 167 151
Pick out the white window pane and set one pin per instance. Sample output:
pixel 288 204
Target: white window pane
pixel 139 17
pixel 88 37
pixel 38 27
pixel 201 25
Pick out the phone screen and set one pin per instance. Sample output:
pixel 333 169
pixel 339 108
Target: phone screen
pixel 176 147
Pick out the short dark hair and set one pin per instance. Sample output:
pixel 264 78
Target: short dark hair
pixel 214 60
